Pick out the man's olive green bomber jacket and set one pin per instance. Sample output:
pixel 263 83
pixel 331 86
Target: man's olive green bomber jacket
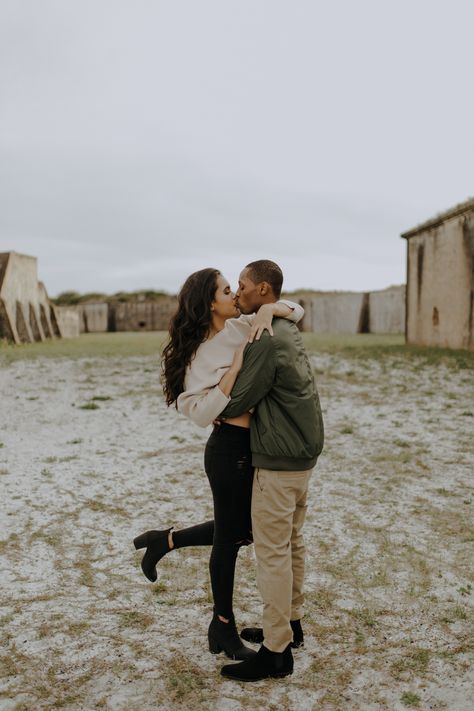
pixel 287 431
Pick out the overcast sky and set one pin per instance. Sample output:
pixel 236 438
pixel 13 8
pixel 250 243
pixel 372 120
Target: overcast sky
pixel 140 141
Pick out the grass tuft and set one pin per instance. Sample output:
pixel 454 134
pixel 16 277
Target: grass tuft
pixel 185 681
pixel 408 698
pixel 414 662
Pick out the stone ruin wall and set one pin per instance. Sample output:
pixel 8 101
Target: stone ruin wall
pixel 146 315
pixel 355 312
pixel 93 317
pixel 325 312
pixel 142 315
pixel 440 278
pixel 26 314
pixel 387 309
pixel 68 321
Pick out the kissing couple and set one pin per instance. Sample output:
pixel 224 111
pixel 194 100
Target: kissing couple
pixel 237 360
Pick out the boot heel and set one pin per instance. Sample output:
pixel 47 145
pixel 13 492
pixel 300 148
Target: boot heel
pixel 141 541
pixel 223 637
pixel 214 647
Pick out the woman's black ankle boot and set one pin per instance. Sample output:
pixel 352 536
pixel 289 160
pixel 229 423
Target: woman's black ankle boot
pixel 156 544
pixel 223 637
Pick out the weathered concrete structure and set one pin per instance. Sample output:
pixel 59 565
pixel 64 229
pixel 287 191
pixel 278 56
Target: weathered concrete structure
pixel 26 314
pixel 134 315
pixel 387 310
pixel 440 280
pixel 93 317
pixel 333 312
pixel 68 321
pixel 143 315
pixel 355 311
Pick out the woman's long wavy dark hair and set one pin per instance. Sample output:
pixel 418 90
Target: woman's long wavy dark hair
pixel 188 329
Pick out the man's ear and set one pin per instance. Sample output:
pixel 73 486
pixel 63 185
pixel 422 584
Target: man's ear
pixel 264 288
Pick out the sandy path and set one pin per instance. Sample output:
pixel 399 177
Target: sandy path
pixel 390 536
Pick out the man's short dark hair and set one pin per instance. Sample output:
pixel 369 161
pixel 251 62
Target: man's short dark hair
pixel 266 270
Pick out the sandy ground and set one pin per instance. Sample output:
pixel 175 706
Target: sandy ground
pixel 390 535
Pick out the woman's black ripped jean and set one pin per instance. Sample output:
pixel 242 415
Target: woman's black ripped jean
pixel 228 464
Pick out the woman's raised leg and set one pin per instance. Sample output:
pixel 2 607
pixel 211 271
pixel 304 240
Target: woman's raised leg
pixel 158 543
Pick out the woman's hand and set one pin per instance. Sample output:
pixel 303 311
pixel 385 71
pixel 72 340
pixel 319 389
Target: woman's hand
pixel 262 322
pixel 227 381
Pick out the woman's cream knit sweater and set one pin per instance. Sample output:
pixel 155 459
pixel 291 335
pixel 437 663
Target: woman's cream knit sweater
pixel 202 400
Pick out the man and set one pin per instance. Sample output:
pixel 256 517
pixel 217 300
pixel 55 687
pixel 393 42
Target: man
pixel 286 439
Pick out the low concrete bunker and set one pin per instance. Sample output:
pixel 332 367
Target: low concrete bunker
pixel 440 280
pixel 26 314
pixel 355 311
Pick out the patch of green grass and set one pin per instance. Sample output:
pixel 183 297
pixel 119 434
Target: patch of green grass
pixel 364 616
pixel 101 398
pixel 347 429
pixel 401 443
pixel 45 629
pixel 74 441
pixel 52 537
pixel 93 345
pixel 358 346
pixel 76 629
pixel 184 681
pixel 322 598
pixel 159 588
pixel 333 342
pixel 442 491
pixel 89 406
pixel 454 614
pixel 456 523
pixel 103 507
pixel 410 699
pixel 415 661
pixel 380 347
pixel 87 573
pixel 6 619
pixel 8 665
pixel 136 619
pixel 328 673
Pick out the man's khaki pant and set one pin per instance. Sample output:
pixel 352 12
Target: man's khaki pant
pixel 278 513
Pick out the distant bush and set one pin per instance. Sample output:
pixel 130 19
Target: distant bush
pixel 72 298
pixel 92 296
pixel 67 298
pixel 144 295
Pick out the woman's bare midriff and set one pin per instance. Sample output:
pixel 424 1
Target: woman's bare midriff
pixel 240 421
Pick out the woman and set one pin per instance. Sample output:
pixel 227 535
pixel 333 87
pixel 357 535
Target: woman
pixel 201 363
